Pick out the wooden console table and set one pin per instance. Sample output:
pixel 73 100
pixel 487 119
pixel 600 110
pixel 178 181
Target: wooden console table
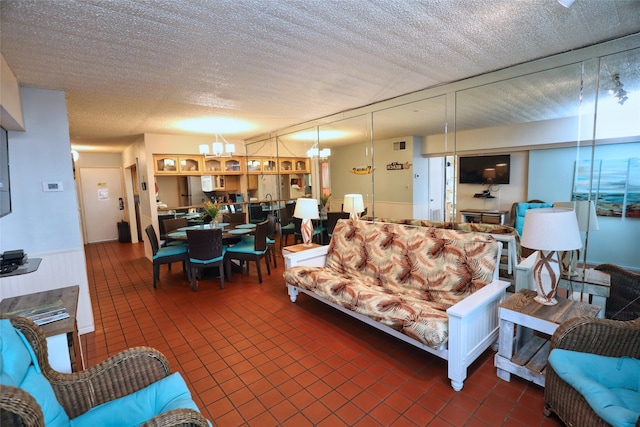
pixel 526 355
pixel 62 335
pixel 490 216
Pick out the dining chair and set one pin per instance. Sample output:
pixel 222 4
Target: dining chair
pixel 161 230
pixel 271 238
pixel 286 226
pixel 297 225
pixel 256 214
pixel 170 225
pixel 252 248
pixel 332 220
pixel 165 255
pixel 206 250
pixel 234 218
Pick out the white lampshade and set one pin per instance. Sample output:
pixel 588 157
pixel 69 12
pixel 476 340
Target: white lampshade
pixel 551 229
pixel 217 148
pixel 204 148
pixel 352 203
pixel 306 209
pixel 585 212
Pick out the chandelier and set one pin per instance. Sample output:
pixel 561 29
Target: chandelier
pixel 219 149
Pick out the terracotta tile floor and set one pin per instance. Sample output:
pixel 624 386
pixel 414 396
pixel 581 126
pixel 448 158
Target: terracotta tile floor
pixel 253 358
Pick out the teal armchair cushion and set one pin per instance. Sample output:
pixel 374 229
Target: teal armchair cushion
pixel 15 356
pixel 20 369
pixel 169 393
pixel 521 210
pixel 611 385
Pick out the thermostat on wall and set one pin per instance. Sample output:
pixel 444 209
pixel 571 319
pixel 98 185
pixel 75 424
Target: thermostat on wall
pixel 52 186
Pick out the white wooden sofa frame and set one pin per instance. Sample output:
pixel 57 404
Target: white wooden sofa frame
pixel 473 322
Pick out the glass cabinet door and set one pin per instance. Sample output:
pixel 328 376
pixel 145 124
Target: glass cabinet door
pixel 165 164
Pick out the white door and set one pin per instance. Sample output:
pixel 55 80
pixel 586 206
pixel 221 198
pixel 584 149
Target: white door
pixel 436 188
pixel 101 194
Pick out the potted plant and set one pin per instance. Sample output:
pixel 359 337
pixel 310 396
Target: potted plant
pixel 324 201
pixel 212 210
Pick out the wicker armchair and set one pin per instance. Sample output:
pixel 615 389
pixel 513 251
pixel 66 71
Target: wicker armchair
pixel 589 335
pixel 623 302
pixel 118 376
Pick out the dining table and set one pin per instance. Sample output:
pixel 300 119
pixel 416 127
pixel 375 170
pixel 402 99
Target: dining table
pixel 231 233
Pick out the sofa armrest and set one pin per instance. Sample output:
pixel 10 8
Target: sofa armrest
pixel 118 376
pixel 473 327
pixel 492 292
pixel 524 273
pixel 314 257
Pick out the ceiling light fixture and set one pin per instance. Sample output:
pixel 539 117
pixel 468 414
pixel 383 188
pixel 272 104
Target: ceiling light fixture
pixel 566 3
pixel 219 149
pixel 617 91
pixel 316 152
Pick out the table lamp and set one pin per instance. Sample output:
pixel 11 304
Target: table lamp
pixel 353 204
pixel 306 209
pixel 549 231
pixel 587 221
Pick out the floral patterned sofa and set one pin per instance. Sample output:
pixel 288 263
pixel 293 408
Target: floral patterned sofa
pixel 434 288
pixel 511 254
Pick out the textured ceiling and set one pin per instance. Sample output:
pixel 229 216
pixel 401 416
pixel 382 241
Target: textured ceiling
pixel 131 67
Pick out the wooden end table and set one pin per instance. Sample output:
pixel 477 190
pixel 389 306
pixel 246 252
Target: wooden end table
pixel 62 335
pixel 524 351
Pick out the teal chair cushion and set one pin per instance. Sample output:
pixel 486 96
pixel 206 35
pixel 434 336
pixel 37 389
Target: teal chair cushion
pixel 20 369
pixel 611 385
pixel 245 246
pixel 169 393
pixel 171 250
pixel 521 210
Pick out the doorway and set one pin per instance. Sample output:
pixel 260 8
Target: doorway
pixel 101 196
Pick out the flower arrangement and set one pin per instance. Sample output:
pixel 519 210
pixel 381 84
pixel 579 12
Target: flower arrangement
pixel 324 199
pixel 212 210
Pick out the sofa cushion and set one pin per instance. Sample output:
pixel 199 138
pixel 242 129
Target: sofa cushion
pixel 403 310
pixel 444 265
pixel 20 369
pixel 612 389
pixel 167 394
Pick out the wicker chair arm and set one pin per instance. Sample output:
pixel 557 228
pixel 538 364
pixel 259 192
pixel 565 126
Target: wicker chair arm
pixel 178 417
pixel 599 336
pixel 118 376
pixel 17 407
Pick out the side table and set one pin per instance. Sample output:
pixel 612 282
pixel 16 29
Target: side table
pixel 523 352
pixel 62 335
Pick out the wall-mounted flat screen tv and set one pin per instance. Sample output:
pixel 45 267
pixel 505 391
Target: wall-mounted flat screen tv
pixel 5 190
pixel 485 169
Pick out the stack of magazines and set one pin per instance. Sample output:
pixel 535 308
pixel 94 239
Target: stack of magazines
pixel 43 314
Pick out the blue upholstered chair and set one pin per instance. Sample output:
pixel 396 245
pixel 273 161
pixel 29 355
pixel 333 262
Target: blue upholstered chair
pixel 130 388
pixel 166 255
pixel 252 248
pixel 521 209
pixel 206 250
pixel 593 375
